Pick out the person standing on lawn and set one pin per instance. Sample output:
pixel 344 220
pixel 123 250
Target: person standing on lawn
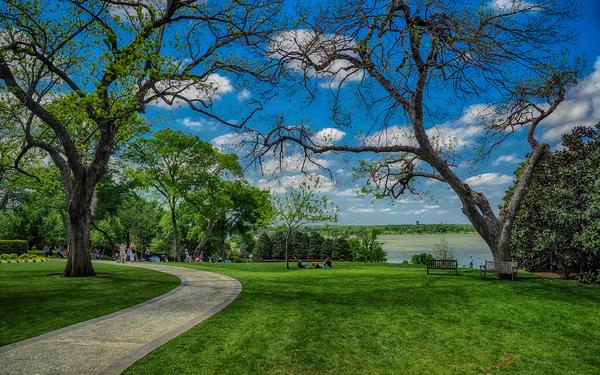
pixel 47 251
pixel 122 253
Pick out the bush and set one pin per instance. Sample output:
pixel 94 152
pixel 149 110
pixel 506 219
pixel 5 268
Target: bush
pixel 13 247
pixel 421 258
pixel 589 277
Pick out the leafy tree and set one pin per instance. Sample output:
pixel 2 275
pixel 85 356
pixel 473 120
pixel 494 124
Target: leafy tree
pixel 420 63
pixel 365 244
pixel 298 207
pixel 558 222
pixel 421 258
pixel 341 249
pixel 79 74
pixel 178 166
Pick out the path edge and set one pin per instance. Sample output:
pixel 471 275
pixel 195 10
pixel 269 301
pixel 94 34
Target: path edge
pixel 48 335
pixel 122 364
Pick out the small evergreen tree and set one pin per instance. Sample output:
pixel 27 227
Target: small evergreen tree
pixel 299 244
pixel 264 247
pixel 341 249
pixel 278 241
pixel 314 248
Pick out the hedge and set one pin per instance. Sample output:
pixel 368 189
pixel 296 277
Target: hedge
pixel 14 247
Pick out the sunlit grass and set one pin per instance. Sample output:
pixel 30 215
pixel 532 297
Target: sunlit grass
pixel 392 319
pixel 32 303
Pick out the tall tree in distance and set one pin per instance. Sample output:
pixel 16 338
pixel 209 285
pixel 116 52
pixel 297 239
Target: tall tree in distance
pixel 413 67
pixel 81 73
pixel 299 207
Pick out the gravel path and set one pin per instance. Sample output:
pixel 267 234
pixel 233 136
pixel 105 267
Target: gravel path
pixel 110 344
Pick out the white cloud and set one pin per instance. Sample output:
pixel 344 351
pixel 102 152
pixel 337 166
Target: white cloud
pixel 294 163
pixel 295 47
pixel 512 158
pixel 213 88
pixel 243 95
pixel 317 183
pixel 361 210
pixel 347 192
pixel 441 136
pixel 581 109
pixel 488 179
pixel 513 5
pixel 327 136
pixel 196 124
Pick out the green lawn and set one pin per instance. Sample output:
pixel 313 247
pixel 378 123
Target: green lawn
pixel 32 303
pixel 388 319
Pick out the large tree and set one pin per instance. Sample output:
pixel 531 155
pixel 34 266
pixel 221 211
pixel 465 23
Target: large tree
pixel 176 165
pixel 559 220
pixel 83 72
pixel 420 63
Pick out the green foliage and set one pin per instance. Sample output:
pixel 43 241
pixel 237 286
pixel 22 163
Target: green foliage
pixel 421 258
pixel 442 250
pixel 366 244
pixel 341 249
pixel 14 247
pixel 278 242
pixel 589 277
pixel 315 245
pixel 558 222
pixel 264 247
pixel 390 229
pixel 299 244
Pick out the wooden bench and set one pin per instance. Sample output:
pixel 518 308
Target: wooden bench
pixel 442 264
pixel 506 268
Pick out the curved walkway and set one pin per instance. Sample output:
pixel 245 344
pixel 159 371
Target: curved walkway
pixel 111 343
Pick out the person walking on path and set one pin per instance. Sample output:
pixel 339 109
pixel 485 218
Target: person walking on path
pixel 132 255
pixel 147 254
pixel 47 251
pixel 122 250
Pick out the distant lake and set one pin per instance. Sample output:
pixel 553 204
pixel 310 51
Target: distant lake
pixel 403 247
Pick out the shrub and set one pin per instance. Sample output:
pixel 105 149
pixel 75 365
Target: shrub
pixel 589 277
pixel 421 258
pixel 13 247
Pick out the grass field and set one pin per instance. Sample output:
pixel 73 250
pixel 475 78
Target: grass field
pixel 32 303
pixel 388 319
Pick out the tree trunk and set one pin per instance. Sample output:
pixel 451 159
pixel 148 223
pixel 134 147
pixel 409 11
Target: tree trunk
pixel 207 233
pixel 287 264
pixel 79 263
pixel 111 244
pixel 4 200
pixel 176 236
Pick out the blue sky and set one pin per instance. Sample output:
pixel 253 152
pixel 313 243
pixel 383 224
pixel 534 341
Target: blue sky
pixel 491 176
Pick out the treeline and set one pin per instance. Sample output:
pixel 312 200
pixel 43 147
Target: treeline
pixel 351 230
pixel 314 246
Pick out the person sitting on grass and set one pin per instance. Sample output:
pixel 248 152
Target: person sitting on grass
pixel 327 263
pixel 302 265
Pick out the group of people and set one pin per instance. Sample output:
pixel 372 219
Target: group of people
pixel 58 250
pixel 200 258
pixel 326 264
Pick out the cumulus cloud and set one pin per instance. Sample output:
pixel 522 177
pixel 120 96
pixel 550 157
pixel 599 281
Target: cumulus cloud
pixel 488 179
pixel 582 109
pixel 197 124
pixel 296 47
pixel 511 159
pixel 213 88
pixel 294 163
pixel 442 136
pixel 317 183
pixel 327 136
pixel 347 192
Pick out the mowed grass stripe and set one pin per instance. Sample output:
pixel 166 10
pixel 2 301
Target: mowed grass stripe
pixel 388 319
